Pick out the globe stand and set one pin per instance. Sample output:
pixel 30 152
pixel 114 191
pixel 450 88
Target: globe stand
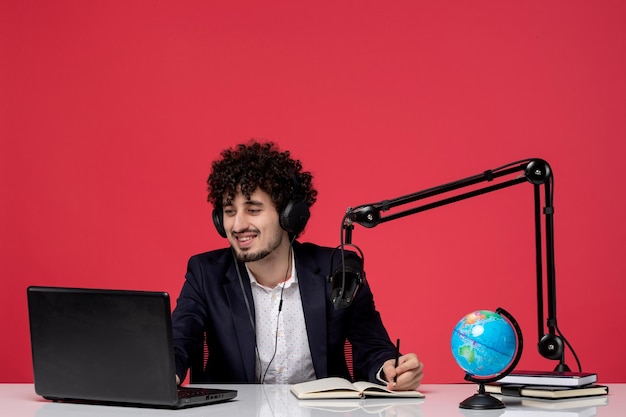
pixel 481 401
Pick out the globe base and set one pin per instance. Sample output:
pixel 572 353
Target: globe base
pixel 481 401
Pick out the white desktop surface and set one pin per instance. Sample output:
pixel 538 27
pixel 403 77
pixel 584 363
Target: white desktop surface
pixel 442 400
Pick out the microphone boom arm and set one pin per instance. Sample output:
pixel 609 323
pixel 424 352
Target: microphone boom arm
pixel 535 171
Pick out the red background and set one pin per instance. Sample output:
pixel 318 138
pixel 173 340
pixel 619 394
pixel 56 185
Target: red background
pixel 113 110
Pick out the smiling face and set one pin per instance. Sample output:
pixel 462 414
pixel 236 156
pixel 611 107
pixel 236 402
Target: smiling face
pixel 252 226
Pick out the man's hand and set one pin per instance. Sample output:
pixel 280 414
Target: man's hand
pixel 177 380
pixel 408 375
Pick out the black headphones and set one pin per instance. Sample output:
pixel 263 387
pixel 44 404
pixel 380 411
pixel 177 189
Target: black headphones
pixel 292 219
pixel 347 278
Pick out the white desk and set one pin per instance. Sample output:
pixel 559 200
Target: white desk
pixel 442 400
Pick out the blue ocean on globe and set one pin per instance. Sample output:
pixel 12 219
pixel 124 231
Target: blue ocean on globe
pixel 484 344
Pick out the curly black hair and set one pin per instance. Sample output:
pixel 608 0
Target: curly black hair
pixel 259 165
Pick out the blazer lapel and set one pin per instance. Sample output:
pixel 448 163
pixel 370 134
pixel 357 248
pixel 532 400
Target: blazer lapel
pixel 312 290
pixel 244 330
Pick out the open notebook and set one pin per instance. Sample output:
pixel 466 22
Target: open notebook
pixel 107 347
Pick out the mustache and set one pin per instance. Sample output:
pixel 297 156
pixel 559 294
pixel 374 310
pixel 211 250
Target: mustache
pixel 247 230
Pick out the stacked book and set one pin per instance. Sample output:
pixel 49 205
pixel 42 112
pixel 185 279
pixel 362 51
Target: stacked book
pixel 548 385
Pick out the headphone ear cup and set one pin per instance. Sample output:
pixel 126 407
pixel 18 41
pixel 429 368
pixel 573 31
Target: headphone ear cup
pixel 346 280
pixel 294 217
pixel 218 221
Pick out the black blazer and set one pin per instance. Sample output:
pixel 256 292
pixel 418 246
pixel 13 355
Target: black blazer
pixel 211 301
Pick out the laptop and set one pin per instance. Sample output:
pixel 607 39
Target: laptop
pixel 108 347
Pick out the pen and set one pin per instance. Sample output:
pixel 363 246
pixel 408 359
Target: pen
pixel 395 378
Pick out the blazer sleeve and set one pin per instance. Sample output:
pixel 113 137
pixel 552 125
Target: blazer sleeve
pixel 371 345
pixel 188 320
pixel 360 323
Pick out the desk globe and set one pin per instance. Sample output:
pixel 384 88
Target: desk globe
pixel 487 345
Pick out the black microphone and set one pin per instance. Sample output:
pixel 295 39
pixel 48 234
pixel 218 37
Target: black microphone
pixel 346 280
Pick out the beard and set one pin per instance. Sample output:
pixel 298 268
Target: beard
pixel 247 256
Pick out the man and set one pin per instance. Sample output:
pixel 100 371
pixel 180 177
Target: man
pixel 263 303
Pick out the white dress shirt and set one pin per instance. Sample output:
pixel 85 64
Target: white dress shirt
pixel 284 356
